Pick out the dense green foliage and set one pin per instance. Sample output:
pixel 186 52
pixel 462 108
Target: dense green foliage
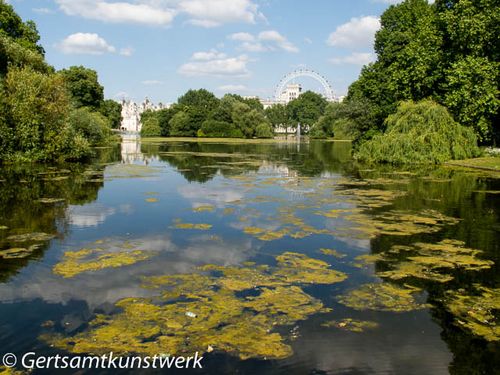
pixel 277 115
pixel 198 113
pixel 347 120
pixel 447 51
pixel 36 107
pixel 44 115
pixel 112 110
pixel 306 109
pixel 84 86
pixel 23 33
pixel 92 125
pixel 150 124
pixel 422 132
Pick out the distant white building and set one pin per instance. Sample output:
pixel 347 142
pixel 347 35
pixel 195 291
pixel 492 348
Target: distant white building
pixel 131 114
pixel 292 91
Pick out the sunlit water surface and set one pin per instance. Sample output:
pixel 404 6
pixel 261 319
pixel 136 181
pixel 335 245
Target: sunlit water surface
pixel 88 254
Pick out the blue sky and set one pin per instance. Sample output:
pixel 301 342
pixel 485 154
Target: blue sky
pixel 162 48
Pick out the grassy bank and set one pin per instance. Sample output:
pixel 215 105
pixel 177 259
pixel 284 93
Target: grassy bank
pixel 489 163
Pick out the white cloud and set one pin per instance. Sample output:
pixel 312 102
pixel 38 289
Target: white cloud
pixel 85 43
pixel 205 13
pixel 117 12
pixel 127 51
pixel 211 13
pixel 232 88
pixel 210 55
pixel 152 82
pixel 357 33
pixel 355 58
pixel 42 10
pixel 278 39
pixel 308 40
pixel 253 47
pixel 268 40
pixel 218 66
pixel 242 37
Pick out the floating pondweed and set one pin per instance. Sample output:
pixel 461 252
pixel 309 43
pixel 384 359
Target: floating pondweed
pixel 111 256
pixel 434 261
pixel 476 311
pixel 18 252
pixel 350 324
pixel 178 224
pixel 204 208
pixel 382 297
pixel 332 252
pixel 197 311
pixel 35 236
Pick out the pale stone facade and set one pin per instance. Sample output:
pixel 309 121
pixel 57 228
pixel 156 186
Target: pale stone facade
pixel 131 114
pixel 291 92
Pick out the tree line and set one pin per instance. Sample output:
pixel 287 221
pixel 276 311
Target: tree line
pixel 199 113
pixel 47 115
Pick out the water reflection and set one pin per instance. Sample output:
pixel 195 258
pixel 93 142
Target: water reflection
pixel 257 202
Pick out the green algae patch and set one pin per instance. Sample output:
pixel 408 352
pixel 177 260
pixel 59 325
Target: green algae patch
pixel 243 278
pixel 352 325
pixel 368 259
pixel 299 268
pixel 205 311
pixel 332 252
pixel 477 312
pixel 274 235
pixel 405 270
pixel 399 223
pixel 27 237
pixel 285 305
pixel 18 252
pixel 435 261
pixel 333 213
pixel 86 260
pixel 382 297
pixel 253 230
pixel 178 224
pixel 50 200
pixel 11 371
pixel 204 208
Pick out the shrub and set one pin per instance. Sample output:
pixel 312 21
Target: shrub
pixel 150 127
pixel 264 130
pixel 422 132
pixel 219 129
pixel 91 125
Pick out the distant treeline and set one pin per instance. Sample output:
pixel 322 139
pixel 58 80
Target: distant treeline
pixel 199 113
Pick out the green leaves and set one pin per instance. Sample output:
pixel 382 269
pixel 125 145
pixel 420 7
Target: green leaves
pixel 422 132
pixel 84 86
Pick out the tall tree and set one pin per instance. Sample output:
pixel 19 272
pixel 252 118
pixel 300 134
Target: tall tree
pixel 112 110
pixel 24 33
pixel 306 109
pixel 84 86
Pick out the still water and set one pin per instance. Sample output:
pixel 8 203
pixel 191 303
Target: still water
pixel 270 258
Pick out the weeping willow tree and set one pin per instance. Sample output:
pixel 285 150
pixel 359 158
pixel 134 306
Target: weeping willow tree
pixel 422 132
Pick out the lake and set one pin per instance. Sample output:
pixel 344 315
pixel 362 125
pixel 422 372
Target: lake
pixel 268 257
